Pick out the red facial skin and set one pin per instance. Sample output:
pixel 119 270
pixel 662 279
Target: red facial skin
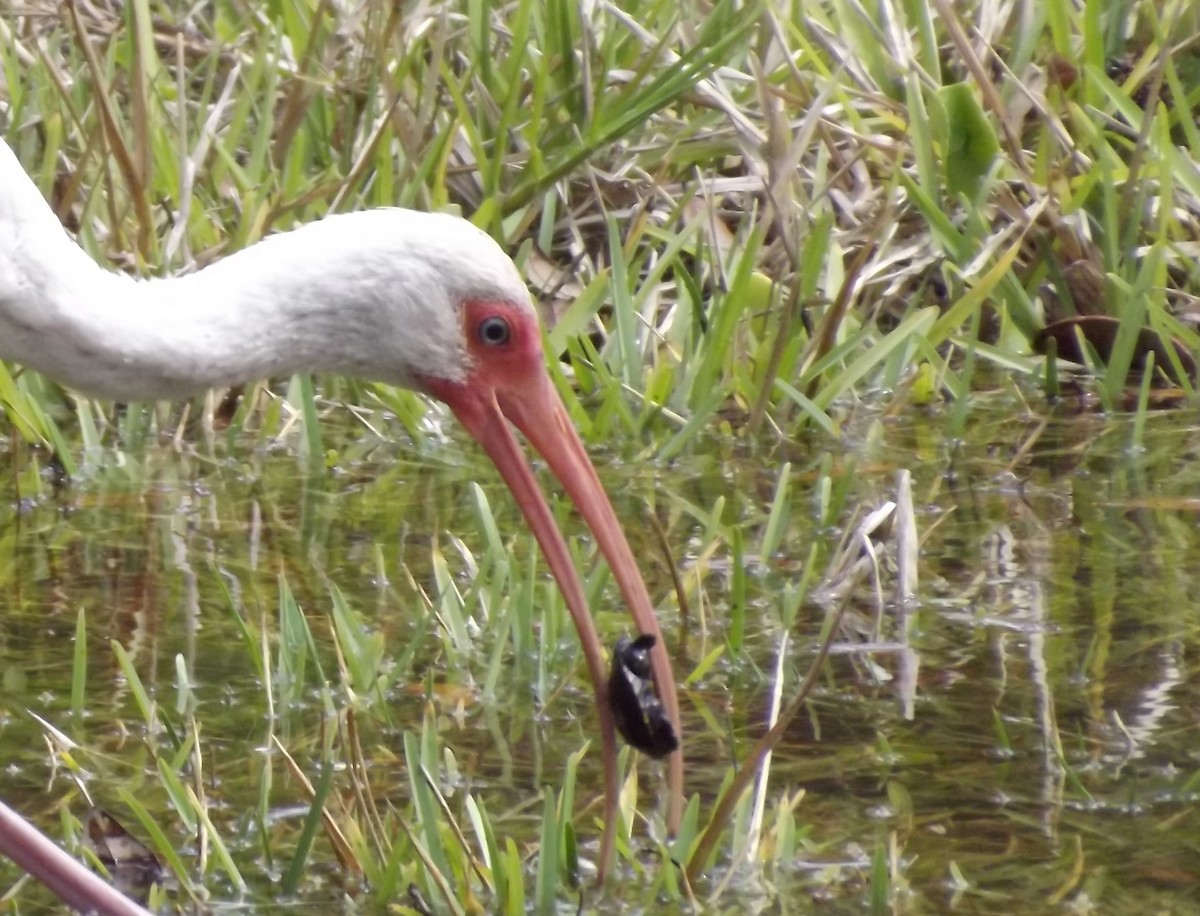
pixel 507 380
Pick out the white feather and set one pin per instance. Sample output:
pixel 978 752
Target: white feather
pixel 375 294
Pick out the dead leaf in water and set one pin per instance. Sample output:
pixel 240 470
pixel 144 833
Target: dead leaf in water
pixel 129 861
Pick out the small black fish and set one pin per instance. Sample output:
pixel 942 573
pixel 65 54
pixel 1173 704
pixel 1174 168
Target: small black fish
pixel 639 714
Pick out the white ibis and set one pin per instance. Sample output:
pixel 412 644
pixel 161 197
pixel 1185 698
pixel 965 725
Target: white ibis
pixel 422 300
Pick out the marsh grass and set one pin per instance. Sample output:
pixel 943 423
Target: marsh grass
pixel 746 217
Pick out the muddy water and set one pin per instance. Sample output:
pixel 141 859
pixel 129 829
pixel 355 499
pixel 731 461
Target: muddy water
pixel 1047 757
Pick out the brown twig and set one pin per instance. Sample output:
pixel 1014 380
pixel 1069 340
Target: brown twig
pixel 754 760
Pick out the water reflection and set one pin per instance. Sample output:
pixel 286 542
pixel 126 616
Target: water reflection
pixel 1047 750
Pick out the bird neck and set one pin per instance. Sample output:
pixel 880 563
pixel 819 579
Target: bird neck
pixel 45 280
pixel 279 307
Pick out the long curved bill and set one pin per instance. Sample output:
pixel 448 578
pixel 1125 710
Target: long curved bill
pixel 540 415
pixel 74 883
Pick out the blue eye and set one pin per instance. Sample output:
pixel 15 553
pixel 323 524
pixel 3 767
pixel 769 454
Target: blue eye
pixel 493 331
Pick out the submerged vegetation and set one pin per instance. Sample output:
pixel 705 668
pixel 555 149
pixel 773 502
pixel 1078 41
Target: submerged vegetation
pixel 751 225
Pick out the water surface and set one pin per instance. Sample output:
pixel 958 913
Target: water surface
pixel 1051 759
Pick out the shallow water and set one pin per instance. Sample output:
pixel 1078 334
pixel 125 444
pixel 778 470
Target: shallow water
pixel 1051 759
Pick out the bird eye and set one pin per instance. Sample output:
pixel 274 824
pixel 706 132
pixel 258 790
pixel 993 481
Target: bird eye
pixel 493 331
